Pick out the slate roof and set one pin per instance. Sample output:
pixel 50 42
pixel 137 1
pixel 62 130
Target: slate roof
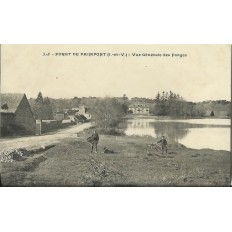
pixel 12 100
pixel 139 105
pixel 80 117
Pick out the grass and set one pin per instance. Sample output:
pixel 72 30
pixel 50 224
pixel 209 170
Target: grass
pixel 70 163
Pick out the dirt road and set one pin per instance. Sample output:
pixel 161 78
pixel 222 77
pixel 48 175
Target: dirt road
pixel 43 140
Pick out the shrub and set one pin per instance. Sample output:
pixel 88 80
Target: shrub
pixel 110 131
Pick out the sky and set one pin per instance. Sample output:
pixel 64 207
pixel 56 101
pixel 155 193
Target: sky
pixel 203 73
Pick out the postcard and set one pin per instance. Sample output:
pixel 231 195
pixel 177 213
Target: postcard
pixel 115 115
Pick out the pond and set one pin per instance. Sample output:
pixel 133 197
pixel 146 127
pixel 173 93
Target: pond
pixel 193 133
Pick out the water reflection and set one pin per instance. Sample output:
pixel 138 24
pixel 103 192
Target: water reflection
pixel 194 134
pixel 172 130
pixel 140 127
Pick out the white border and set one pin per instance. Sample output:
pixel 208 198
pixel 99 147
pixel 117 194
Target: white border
pixel 115 22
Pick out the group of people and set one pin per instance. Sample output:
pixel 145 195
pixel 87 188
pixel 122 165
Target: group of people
pixel 94 139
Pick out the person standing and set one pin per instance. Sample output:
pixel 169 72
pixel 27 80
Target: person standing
pixel 164 144
pixel 94 141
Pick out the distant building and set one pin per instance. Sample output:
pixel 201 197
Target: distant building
pixel 73 115
pixel 139 109
pixel 82 109
pixel 59 116
pixel 16 115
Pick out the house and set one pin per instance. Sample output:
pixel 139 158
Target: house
pixel 139 109
pixel 74 115
pixel 82 110
pixel 81 118
pixel 59 116
pixel 81 113
pixel 16 115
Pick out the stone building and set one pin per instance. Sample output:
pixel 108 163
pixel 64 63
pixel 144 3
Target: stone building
pixel 16 116
pixel 139 109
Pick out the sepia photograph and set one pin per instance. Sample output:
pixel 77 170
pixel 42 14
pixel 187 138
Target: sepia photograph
pixel 115 115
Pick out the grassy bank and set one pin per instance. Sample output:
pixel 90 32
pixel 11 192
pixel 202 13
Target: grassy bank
pixel 70 163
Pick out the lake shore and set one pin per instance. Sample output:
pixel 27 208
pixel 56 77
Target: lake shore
pixel 70 163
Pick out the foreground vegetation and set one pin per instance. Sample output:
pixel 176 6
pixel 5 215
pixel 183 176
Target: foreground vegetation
pixel 70 163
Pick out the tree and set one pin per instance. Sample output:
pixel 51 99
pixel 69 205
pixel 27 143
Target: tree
pixel 39 98
pixel 125 103
pixel 47 109
pixel 38 108
pixel 43 108
pixel 169 104
pixel 199 110
pixel 125 98
pixel 166 96
pixel 158 105
pixel 75 102
pixel 171 95
pixel 212 114
pixel 107 112
pixel 157 97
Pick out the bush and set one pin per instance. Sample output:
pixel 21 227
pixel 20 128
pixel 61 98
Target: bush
pixel 107 112
pixel 110 131
pixel 89 131
pixel 105 131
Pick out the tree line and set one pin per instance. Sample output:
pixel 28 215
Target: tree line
pixel 173 105
pixel 107 111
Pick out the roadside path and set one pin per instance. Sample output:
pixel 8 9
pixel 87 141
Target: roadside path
pixel 42 140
